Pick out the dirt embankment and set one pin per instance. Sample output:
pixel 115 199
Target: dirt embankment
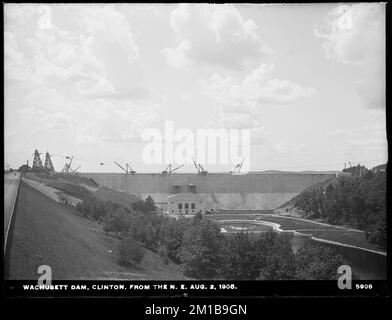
pixel 46 232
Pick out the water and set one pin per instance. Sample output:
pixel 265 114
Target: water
pixel 364 264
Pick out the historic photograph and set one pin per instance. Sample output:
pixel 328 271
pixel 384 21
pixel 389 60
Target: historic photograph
pixel 195 142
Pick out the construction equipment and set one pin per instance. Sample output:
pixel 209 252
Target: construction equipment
pixel 131 171
pixel 67 166
pixel 74 170
pixel 237 167
pixel 37 163
pixel 128 169
pixel 170 170
pixel 199 168
pixel 48 163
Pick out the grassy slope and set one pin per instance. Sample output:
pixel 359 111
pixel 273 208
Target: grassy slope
pixel 46 232
pixel 323 184
pixel 119 197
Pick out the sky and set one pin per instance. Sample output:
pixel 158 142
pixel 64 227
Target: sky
pixel 307 81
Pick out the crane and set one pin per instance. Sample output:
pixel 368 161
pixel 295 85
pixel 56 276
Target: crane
pixel 67 166
pixel 237 167
pixel 131 171
pixel 199 168
pixel 128 169
pixel 74 170
pixel 169 169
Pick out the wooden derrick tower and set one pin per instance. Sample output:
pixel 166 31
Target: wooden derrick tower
pixel 48 163
pixel 37 163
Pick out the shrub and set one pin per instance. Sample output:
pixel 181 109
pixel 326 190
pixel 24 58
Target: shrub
pixel 131 252
pixel 163 254
pixel 64 200
pixel 116 220
pixel 201 250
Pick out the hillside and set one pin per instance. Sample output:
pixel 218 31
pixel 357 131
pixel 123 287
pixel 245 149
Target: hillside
pixel 290 204
pixel 46 232
pixel 358 202
pixel 122 198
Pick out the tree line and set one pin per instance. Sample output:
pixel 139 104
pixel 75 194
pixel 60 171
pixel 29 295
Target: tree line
pixel 358 202
pixel 203 250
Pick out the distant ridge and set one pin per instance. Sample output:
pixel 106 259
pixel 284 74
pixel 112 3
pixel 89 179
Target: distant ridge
pixel 294 172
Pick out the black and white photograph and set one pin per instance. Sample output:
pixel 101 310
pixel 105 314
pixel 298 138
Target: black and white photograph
pixel 194 148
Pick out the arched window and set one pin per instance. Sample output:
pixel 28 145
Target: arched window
pixel 193 206
pixel 179 205
pixel 186 205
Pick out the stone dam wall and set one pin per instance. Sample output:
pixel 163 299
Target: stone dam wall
pixel 253 191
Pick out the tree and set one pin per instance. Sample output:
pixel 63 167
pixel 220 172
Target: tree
pixel 117 220
pixel 359 202
pixel 278 262
pixel 317 262
pixel 241 261
pixel 201 250
pixel 149 205
pixel 131 252
pixel 171 236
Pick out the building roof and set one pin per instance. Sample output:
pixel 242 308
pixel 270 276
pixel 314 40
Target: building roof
pixel 185 196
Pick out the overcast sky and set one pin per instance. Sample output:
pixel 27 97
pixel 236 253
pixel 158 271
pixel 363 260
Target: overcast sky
pixel 85 80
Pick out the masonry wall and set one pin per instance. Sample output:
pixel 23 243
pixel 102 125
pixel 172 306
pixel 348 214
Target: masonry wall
pixel 221 191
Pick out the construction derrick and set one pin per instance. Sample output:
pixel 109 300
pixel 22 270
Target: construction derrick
pixel 237 168
pixel 48 163
pixel 199 168
pixel 37 163
pixel 67 166
pixel 170 170
pixel 128 169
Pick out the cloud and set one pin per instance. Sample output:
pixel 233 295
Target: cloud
pixel 360 141
pixel 98 58
pixel 257 87
pixel 237 104
pixel 355 35
pixel 110 39
pixel 210 34
pixel 119 121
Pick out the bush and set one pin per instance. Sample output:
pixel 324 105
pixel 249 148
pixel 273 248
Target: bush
pixel 146 206
pixel 317 262
pixel 164 256
pixel 131 252
pixel 64 200
pixel 116 220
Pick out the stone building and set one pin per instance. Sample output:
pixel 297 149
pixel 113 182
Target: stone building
pixel 185 203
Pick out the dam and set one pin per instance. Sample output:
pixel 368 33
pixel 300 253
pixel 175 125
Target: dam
pixel 225 191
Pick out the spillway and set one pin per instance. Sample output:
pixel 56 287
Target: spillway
pixel 252 191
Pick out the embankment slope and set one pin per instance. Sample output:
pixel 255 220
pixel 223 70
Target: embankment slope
pixel 48 233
